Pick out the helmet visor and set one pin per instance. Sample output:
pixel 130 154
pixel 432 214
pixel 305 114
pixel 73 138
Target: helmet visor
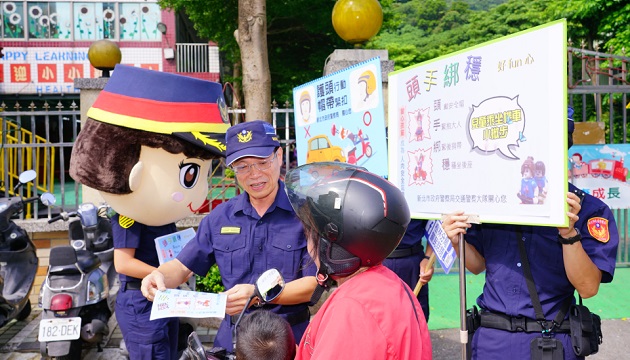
pixel 321 184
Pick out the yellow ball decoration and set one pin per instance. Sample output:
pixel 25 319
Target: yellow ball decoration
pixel 104 54
pixel 356 21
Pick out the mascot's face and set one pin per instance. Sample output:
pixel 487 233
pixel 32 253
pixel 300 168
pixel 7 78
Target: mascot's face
pixel 165 188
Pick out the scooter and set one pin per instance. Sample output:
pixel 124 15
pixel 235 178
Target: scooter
pixel 366 148
pixel 76 297
pixel 18 260
pixel 267 287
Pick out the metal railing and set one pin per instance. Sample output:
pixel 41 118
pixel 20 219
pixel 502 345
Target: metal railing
pixel 60 128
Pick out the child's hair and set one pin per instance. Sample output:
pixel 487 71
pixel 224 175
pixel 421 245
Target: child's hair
pixel 264 335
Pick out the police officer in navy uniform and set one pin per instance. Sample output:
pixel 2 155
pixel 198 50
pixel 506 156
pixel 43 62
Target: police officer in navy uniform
pixel 147 147
pixel 562 260
pixel 409 262
pixel 252 232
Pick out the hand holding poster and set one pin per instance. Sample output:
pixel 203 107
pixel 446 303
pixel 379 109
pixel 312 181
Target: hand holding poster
pixel 484 130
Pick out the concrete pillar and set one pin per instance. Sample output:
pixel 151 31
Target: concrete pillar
pixel 90 89
pixel 343 58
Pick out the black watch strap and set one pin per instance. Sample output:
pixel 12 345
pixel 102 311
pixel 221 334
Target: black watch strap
pixel 571 240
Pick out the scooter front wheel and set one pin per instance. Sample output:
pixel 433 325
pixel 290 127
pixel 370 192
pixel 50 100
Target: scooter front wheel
pixel 25 312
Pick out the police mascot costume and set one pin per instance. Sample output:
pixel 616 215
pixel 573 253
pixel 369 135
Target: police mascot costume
pixel 147 147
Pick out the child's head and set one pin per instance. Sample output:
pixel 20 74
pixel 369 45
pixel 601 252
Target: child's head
pixel 264 335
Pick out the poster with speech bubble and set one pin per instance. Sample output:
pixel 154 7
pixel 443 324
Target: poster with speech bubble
pixel 484 130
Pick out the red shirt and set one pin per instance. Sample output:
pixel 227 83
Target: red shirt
pixel 370 316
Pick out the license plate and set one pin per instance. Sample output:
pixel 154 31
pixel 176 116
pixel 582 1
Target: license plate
pixel 59 329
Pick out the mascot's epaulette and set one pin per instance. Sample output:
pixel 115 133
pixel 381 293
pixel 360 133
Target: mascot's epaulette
pixel 125 222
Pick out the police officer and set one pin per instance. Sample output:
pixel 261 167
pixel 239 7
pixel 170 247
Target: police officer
pixel 409 262
pixel 252 232
pixel 562 260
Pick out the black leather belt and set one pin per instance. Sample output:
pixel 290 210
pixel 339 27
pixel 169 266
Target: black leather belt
pixel 131 285
pixel 295 318
pixel 517 324
pixel 399 253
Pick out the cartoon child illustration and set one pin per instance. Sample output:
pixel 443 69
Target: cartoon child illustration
pixel 305 106
pixel 147 147
pixel 576 159
pixel 418 172
pixel 419 129
pixel 541 181
pixel 529 189
pixel 368 78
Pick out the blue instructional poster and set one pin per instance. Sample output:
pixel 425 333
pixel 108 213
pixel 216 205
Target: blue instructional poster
pixel 340 117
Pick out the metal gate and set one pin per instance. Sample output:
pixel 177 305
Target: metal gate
pixel 599 91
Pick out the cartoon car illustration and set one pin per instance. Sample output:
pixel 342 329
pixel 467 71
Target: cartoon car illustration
pixel 320 149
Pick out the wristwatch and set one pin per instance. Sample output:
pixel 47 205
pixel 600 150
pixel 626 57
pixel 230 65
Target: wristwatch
pixel 571 240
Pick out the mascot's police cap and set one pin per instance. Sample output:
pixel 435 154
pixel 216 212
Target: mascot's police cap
pixel 165 103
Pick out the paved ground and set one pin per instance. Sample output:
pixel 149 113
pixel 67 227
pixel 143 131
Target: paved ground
pixel 18 341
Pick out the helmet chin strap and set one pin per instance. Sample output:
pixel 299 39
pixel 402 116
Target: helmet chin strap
pixel 334 260
pixel 323 284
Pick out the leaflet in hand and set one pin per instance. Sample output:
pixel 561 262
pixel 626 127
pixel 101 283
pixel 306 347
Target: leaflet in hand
pixel 442 247
pixel 192 304
pixel 168 246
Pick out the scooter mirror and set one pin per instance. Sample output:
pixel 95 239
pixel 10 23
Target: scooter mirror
pixel 269 285
pixel 48 199
pixel 27 176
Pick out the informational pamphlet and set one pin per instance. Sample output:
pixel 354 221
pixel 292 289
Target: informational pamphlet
pixel 168 246
pixel 442 247
pixel 192 304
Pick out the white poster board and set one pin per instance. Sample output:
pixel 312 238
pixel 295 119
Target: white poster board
pixel 463 126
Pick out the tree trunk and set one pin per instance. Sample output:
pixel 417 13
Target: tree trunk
pixel 251 37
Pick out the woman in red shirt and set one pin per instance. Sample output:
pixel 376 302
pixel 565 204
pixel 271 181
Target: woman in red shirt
pixel 353 219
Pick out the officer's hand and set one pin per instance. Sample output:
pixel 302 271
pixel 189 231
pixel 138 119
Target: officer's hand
pixel 151 284
pixel 426 273
pixel 237 298
pixel 454 224
pixel 574 208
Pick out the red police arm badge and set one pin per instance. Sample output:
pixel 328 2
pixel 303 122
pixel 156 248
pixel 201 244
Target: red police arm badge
pixel 598 228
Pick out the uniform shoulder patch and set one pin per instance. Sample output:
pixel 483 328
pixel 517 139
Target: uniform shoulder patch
pixel 125 222
pixel 598 228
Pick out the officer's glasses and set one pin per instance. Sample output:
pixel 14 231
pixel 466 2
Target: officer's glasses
pixel 261 166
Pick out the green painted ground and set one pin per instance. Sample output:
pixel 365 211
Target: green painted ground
pixel 610 303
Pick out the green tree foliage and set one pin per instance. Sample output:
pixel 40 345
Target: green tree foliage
pixel 423 29
pixel 300 36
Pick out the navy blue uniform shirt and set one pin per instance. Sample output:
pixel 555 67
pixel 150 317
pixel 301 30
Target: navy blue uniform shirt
pixel 505 289
pixel 244 245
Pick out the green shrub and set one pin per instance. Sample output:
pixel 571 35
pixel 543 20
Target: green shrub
pixel 211 282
